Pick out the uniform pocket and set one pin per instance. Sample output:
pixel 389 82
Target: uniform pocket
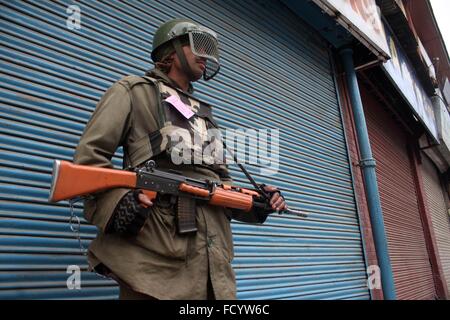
pixel 159 234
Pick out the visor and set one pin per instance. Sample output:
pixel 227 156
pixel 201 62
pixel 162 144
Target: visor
pixel 204 44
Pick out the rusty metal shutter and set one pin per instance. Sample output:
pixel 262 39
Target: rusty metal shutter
pixel 437 208
pixel 406 240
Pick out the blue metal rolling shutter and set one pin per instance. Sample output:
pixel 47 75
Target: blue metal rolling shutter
pixel 275 74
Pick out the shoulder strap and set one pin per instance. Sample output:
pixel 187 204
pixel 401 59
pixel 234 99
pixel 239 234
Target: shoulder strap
pixel 142 148
pixel 155 83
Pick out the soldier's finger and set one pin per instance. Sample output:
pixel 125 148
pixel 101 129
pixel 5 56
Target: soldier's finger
pixel 278 203
pixel 282 206
pixel 145 200
pixel 275 198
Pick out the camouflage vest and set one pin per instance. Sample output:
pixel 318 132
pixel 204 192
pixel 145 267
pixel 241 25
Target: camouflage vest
pixel 185 132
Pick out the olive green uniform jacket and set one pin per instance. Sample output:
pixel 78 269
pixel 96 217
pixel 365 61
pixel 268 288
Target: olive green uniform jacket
pixel 157 262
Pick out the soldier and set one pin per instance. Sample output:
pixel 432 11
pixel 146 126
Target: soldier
pixel 138 243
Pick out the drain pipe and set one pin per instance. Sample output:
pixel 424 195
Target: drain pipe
pixel 368 164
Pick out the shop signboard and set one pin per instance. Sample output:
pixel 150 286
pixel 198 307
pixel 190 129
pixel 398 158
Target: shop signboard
pixel 362 19
pixel 403 76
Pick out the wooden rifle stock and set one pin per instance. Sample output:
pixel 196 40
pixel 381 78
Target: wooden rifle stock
pixel 70 180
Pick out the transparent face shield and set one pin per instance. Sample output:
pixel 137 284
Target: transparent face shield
pixel 204 44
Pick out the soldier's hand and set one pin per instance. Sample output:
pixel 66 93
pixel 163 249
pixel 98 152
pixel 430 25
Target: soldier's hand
pixel 277 201
pixel 144 200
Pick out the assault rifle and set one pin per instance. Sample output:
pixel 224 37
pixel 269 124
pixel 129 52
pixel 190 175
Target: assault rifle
pixel 72 181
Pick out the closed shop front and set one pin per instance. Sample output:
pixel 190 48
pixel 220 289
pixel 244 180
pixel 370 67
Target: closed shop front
pixel 437 208
pixel 275 74
pixel 405 234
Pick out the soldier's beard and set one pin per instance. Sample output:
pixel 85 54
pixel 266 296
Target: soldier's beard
pixel 164 65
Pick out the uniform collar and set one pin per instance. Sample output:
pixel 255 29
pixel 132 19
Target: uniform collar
pixel 158 74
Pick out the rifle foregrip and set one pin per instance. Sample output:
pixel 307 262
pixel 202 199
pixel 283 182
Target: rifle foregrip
pixel 231 199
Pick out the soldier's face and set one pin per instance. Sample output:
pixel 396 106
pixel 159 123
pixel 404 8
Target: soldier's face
pixel 197 64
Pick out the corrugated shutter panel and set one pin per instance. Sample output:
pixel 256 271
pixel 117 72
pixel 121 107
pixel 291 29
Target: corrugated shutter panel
pixel 51 79
pixel 406 241
pixel 275 74
pixel 439 214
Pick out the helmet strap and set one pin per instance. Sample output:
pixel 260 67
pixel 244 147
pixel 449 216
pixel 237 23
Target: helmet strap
pixel 180 53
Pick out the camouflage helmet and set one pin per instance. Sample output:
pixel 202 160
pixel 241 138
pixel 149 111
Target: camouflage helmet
pixel 173 34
